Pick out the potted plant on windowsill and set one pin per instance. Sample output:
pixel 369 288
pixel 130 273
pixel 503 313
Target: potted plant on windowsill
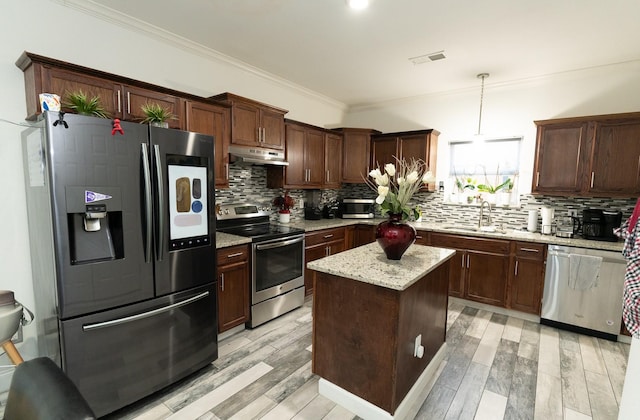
pixel 80 103
pixel 284 203
pixel 156 115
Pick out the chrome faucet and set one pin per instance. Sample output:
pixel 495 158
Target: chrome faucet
pixel 482 214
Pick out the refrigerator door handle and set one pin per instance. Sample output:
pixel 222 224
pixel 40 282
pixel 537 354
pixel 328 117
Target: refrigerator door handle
pixel 143 315
pixel 147 202
pixel 161 205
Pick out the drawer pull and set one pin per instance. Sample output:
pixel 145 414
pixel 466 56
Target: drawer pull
pixel 236 254
pixel 328 236
pixel 529 250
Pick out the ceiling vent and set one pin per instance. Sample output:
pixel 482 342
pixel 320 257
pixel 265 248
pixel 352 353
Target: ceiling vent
pixel 435 56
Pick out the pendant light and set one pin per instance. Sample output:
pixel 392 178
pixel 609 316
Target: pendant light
pixel 481 76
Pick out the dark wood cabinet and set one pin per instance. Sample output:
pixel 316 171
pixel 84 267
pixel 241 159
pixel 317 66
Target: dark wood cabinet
pixel 420 144
pixel 560 158
pixel 133 98
pixel 332 160
pixel 233 286
pixel 356 153
pixel 422 237
pixel 214 120
pixel 480 268
pixel 615 160
pixel 254 123
pixel 362 235
pixel 314 157
pixel 597 156
pixel 526 281
pixel 320 244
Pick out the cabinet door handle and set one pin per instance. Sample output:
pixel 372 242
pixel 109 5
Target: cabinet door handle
pixel 467 260
pixel 119 102
pixel 222 282
pixel 593 174
pixel 537 178
pixel 259 135
pixel 516 272
pixel 226 168
pixel 327 176
pixel 235 254
pixel 462 261
pixel 128 102
pixel 529 250
pixel 328 236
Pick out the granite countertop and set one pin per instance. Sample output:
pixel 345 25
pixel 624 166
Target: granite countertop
pixel 508 234
pixel 225 240
pixel 369 264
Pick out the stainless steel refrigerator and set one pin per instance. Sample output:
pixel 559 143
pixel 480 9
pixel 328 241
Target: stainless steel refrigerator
pixel 122 236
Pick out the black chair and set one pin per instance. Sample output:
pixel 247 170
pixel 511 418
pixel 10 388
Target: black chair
pixel 40 390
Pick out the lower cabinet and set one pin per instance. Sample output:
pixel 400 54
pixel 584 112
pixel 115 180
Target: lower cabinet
pixel 526 281
pixel 320 244
pixel 362 235
pixel 480 268
pixel 422 237
pixel 233 286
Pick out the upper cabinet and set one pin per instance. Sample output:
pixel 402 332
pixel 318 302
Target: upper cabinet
pixel 421 144
pixel 356 153
pixel 314 156
pixel 596 156
pixel 254 123
pixel 214 120
pixel 121 97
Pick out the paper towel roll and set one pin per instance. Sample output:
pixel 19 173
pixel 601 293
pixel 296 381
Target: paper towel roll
pixel 547 220
pixel 532 222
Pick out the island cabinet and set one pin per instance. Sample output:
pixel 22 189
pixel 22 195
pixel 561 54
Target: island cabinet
pixel 421 144
pixel 214 120
pixel 526 280
pixel 480 269
pixel 233 286
pixel 596 156
pixel 320 244
pixel 422 237
pixel 254 123
pixel 379 328
pixel 356 153
pixel 120 97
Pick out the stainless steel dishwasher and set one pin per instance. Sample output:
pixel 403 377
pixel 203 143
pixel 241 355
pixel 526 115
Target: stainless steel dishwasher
pixel 583 290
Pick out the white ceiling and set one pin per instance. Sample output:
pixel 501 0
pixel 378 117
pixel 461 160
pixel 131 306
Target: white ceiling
pixel 360 58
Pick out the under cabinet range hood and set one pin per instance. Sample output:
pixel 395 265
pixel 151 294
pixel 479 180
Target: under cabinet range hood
pixel 256 155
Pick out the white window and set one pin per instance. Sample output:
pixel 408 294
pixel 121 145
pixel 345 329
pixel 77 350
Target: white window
pixel 488 166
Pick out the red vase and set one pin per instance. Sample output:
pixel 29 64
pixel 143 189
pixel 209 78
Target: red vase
pixel 394 236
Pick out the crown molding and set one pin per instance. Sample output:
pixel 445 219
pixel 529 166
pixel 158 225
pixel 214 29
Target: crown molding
pixel 115 17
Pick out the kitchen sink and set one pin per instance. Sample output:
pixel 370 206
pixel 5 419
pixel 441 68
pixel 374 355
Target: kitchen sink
pixel 488 229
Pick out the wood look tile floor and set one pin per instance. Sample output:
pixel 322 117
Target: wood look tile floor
pixel 496 367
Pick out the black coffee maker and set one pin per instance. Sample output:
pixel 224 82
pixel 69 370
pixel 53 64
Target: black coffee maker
pixel 599 224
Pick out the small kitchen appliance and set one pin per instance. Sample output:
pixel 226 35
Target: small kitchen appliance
pixel 567 226
pixel 356 208
pixel 599 224
pixel 277 259
pixel 312 208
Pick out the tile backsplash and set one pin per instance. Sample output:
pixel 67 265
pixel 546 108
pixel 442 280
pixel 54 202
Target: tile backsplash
pixel 247 183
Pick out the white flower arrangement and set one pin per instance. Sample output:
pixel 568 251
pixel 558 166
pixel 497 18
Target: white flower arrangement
pixel 396 186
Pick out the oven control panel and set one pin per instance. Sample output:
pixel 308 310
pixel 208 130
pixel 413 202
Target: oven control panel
pixel 240 211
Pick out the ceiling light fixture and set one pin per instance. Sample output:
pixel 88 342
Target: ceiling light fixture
pixel 434 56
pixel 358 4
pixel 481 76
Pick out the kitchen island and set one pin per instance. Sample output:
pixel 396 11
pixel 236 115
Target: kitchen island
pixel 379 328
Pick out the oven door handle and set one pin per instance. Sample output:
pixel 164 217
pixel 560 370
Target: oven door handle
pixel 279 244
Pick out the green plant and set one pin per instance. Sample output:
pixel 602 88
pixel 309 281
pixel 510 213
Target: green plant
pixel 155 113
pixel 80 103
pixel 495 187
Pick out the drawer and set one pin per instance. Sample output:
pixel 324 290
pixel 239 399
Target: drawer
pixel 530 250
pixel 322 236
pixel 444 240
pixel 232 254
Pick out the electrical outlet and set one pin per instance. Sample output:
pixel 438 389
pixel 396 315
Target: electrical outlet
pixel 573 212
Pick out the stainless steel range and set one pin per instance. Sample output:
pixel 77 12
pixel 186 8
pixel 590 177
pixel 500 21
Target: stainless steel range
pixel 277 274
